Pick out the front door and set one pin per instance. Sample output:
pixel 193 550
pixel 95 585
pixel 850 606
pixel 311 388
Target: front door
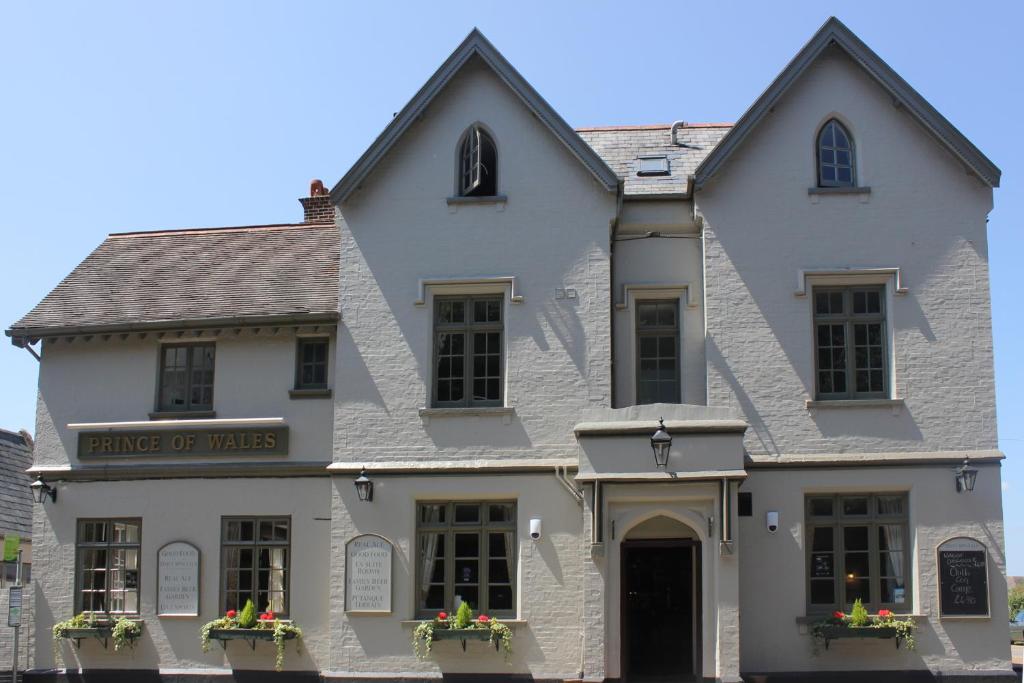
pixel 660 610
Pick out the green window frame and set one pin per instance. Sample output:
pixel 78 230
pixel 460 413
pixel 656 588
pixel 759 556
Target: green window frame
pixel 186 377
pixel 850 343
pixel 858 546
pixel 466 551
pixel 108 558
pixel 657 352
pixel 255 563
pixel 312 362
pixel 469 352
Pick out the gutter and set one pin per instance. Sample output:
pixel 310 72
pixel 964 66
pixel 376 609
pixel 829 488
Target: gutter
pixel 21 336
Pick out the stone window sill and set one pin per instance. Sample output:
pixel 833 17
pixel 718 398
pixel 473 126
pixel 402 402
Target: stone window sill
pixel 492 199
pixel 894 404
pixel 182 414
pixel 839 190
pixel 862 193
pixel 309 393
pixel 505 413
pixel 409 623
pixel 809 619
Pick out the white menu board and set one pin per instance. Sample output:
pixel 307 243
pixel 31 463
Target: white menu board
pixel 368 574
pixel 177 592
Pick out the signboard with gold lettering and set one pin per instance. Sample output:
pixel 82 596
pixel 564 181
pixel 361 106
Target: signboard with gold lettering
pixel 177 591
pixel 198 441
pixel 368 574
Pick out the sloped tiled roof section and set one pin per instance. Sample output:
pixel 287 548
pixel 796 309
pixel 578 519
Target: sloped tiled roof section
pixel 621 147
pixel 220 275
pixel 15 495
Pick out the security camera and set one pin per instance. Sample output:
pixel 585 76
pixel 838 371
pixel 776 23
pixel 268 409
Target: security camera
pixel 772 522
pixel 535 529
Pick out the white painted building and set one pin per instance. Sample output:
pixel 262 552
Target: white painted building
pixel 487 316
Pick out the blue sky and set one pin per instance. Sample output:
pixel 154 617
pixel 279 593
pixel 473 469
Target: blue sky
pixel 124 116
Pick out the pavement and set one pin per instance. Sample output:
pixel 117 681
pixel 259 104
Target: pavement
pixel 1017 654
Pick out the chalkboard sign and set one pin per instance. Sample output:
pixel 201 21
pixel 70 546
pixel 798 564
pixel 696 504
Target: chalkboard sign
pixel 963 578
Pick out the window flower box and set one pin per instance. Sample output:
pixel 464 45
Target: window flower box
pixel 266 627
pixel 859 624
pixel 461 627
pixel 830 633
pixel 123 631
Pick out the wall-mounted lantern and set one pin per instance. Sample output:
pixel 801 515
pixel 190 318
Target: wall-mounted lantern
pixel 965 477
pixel 42 489
pixel 661 443
pixel 364 487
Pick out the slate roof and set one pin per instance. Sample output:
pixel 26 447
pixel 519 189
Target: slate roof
pixel 15 495
pixel 145 280
pixel 621 147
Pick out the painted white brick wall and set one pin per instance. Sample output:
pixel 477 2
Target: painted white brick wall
pixel 924 215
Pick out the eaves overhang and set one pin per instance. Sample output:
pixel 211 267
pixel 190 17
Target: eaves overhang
pixel 475 45
pixel 22 336
pixel 834 32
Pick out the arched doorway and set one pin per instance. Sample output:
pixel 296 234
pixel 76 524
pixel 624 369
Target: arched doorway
pixel 660 594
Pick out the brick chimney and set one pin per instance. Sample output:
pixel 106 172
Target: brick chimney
pixel 317 208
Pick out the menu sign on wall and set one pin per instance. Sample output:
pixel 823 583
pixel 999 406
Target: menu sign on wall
pixel 368 574
pixel 177 593
pixel 963 578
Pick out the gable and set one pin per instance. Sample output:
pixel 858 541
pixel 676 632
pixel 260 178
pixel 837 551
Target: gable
pixel 835 33
pixel 475 45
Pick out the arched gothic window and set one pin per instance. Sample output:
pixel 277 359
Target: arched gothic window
pixel 478 164
pixel 836 166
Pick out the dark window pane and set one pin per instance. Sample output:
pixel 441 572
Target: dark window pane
pixel 467 513
pixel 821 507
pixel 433 513
pixel 894 591
pixel 434 597
pixel 857 565
pixel 823 592
pixel 855 537
pixel 855 506
pixel 467 545
pixel 500 512
pixel 468 593
pixel 823 539
pixel 498 571
pixel 467 571
pixel 499 598
pixel 822 565
pixel 891 505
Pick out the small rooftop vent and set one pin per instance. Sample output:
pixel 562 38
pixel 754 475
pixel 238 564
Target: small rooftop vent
pixel 652 165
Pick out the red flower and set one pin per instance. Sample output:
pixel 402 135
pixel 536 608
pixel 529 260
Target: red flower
pixel 442 615
pixel 264 617
pixel 838 615
pixel 484 619
pixel 270 615
pixel 231 614
pixel 884 613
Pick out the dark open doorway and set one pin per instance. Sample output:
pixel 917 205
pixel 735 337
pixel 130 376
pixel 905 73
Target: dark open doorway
pixel 660 610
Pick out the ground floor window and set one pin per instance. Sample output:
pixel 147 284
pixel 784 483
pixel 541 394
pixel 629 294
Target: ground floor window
pixel 254 563
pixel 857 548
pixel 466 553
pixel 107 565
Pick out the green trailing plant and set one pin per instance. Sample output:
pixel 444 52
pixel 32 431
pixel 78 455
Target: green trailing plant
pixel 1016 602
pixel 281 631
pixel 860 618
pixel 498 634
pixel 125 632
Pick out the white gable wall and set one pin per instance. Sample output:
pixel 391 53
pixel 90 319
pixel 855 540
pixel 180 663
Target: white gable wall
pixel 398 229
pixel 924 215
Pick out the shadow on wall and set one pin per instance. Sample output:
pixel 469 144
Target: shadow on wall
pixel 353 373
pixel 761 431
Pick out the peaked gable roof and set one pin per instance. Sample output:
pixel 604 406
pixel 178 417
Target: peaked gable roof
pixel 475 44
pixel 834 32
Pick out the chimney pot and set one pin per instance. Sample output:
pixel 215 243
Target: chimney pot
pixel 317 207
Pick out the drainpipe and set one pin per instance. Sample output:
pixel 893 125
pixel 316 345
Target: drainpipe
pixel 562 475
pixel 726 512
